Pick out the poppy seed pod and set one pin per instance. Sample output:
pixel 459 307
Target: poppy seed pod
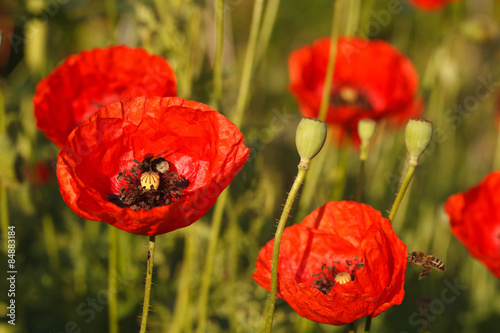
pixel 310 138
pixel 418 135
pixel 366 130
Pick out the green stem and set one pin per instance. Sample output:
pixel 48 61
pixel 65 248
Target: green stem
pixel 112 17
pixel 402 189
pixel 4 208
pixel 248 65
pixel 4 216
pixel 352 327
pixel 233 240
pixel 112 272
pixel 361 181
pixel 340 175
pixel 368 324
pixel 496 158
pixel 181 317
pixel 353 17
pixel 331 60
pixel 219 42
pixel 267 27
pixel 147 289
pixel 302 170
pixel 209 262
pixel 50 239
pixel 366 12
pixel 309 192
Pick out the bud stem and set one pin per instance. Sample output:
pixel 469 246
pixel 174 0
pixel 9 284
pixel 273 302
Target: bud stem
pixel 402 189
pixel 147 290
pixel 331 61
pixel 271 301
pixel 361 181
pixel 112 272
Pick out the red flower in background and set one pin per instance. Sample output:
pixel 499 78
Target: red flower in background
pixel 475 220
pixel 430 4
pixel 337 241
pixel 371 80
pixel 92 79
pixel 97 173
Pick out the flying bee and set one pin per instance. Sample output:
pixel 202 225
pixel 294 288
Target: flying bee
pixel 155 163
pixel 427 262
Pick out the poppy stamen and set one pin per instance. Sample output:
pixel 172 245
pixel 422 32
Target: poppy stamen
pixel 146 189
pixel 349 96
pixel 329 275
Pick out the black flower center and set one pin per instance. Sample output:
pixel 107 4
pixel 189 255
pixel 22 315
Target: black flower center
pixel 149 184
pixel 339 272
pixel 349 96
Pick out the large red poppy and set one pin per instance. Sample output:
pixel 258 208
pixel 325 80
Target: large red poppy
pixel 430 4
pixel 371 80
pixel 475 220
pixel 346 238
pixel 204 149
pixel 92 79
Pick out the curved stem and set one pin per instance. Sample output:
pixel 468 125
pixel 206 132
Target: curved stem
pixel 209 263
pixel 4 216
pixel 402 189
pixel 276 247
pixel 112 271
pixel 361 182
pixel 248 64
pixel 368 324
pixel 496 156
pixel 331 61
pixel 147 289
pixel 267 27
pixel 219 42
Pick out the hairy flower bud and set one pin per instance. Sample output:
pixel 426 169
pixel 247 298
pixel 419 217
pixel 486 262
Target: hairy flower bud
pixel 366 130
pixel 310 137
pixel 418 135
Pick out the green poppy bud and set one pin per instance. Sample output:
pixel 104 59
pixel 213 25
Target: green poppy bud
pixel 366 130
pixel 418 136
pixel 310 137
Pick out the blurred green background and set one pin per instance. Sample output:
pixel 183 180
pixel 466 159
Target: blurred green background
pixel 62 260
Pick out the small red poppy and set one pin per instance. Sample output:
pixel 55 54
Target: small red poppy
pixel 340 241
pixel 430 4
pixel 92 79
pixel 475 220
pixel 102 165
pixel 371 80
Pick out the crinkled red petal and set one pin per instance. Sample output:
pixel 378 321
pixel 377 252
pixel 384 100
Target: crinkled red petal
pixel 92 79
pixel 475 220
pixel 203 145
pixel 338 231
pixel 374 68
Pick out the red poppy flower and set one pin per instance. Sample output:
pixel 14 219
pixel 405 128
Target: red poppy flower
pixel 102 167
pixel 341 241
pixel 92 79
pixel 371 80
pixel 430 4
pixel 475 220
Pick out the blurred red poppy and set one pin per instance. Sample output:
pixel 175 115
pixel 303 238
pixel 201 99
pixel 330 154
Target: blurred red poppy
pixel 371 80
pixel 340 241
pixel 103 164
pixel 475 220
pixel 430 4
pixel 92 79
